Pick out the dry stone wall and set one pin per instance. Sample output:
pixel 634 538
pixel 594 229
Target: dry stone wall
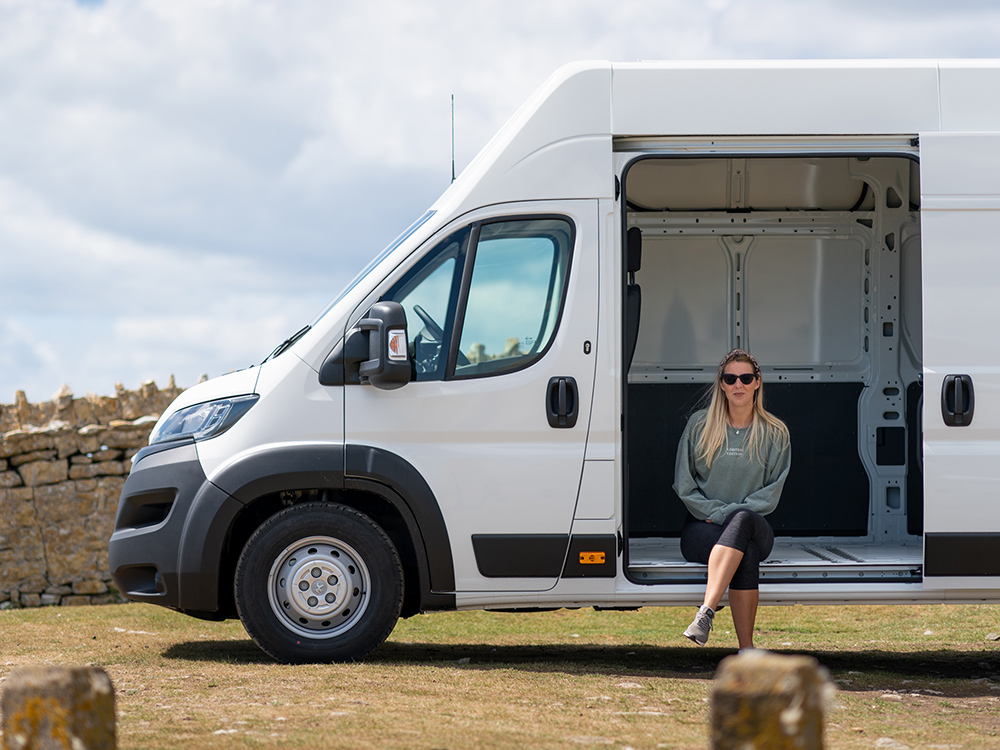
pixel 62 466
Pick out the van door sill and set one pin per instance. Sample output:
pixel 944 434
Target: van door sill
pixel 813 560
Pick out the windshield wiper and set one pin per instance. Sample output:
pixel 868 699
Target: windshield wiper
pixel 288 342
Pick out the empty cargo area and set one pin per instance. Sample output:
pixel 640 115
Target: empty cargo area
pixel 812 263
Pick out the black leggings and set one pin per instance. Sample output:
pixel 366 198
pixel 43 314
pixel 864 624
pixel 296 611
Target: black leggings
pixel 744 530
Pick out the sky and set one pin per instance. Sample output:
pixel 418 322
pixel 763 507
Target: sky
pixel 184 183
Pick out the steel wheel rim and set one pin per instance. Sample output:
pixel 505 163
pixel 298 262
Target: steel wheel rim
pixel 318 587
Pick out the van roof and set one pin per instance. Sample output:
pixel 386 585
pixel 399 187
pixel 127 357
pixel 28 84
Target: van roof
pixel 560 143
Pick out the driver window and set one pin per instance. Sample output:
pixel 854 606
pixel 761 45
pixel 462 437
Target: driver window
pixel 515 295
pixel 428 294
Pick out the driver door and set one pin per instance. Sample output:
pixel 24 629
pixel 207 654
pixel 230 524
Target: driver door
pixel 501 323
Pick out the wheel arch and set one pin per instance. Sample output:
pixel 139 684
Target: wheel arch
pixel 372 481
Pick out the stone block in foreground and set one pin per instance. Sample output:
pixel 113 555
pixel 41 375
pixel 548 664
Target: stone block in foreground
pixel 58 708
pixel 768 701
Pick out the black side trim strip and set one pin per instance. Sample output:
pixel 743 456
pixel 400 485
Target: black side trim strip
pixel 365 462
pixel 585 550
pixel 520 555
pixel 962 554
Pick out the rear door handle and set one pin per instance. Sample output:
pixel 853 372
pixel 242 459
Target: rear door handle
pixel 958 400
pixel 562 402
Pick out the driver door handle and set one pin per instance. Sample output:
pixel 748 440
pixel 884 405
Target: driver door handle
pixel 562 402
pixel 958 400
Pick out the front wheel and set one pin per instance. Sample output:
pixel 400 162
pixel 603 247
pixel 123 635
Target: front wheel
pixel 319 582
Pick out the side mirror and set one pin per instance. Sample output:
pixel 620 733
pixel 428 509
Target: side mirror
pixel 375 351
pixel 388 364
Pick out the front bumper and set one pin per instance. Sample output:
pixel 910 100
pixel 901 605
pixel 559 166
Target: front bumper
pixel 170 532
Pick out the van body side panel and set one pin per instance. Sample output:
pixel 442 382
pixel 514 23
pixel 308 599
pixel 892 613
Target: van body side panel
pixel 964 107
pixel 604 438
pixel 969 554
pixel 556 146
pixel 960 212
pixel 774 98
pixel 519 555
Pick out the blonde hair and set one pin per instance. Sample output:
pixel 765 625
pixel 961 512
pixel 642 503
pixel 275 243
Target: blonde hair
pixel 764 426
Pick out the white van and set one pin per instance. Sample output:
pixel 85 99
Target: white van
pixel 487 418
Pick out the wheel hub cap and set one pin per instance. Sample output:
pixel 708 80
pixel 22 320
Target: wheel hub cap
pixel 318 587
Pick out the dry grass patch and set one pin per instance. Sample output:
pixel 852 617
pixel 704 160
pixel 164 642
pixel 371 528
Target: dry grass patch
pixel 914 676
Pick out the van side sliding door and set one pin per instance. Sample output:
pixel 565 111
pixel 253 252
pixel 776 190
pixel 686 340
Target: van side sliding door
pixel 960 222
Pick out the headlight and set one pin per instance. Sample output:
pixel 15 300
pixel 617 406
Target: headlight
pixel 203 420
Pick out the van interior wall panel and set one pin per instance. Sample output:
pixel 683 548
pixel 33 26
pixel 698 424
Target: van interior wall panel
pixel 658 413
pixel 824 445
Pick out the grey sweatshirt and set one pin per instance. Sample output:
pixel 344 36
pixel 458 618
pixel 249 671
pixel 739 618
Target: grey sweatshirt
pixel 735 480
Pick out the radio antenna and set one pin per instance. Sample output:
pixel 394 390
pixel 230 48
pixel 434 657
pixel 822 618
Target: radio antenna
pixel 452 137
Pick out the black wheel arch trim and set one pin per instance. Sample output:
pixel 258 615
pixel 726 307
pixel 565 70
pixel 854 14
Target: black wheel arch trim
pixel 431 598
pixel 283 468
pixel 199 554
pixel 337 467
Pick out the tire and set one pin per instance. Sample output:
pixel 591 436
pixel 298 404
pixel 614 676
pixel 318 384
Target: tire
pixel 318 582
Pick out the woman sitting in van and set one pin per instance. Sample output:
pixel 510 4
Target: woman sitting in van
pixel 732 462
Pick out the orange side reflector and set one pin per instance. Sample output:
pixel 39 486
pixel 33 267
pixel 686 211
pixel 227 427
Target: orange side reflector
pixel 591 558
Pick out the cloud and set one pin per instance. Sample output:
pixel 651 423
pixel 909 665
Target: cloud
pixel 19 347
pixel 84 304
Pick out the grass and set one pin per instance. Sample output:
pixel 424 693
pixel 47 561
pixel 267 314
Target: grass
pixel 916 676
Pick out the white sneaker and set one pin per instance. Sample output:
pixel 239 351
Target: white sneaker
pixel 701 626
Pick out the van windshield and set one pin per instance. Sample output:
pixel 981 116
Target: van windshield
pixel 378 259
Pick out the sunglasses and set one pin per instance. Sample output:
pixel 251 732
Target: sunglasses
pixel 730 379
